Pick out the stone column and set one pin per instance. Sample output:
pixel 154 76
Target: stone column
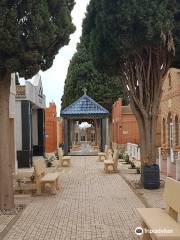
pixel 107 132
pixel 66 137
pixel 71 140
pixel 178 168
pixel 98 132
pixel 139 155
pixel 103 134
pixel 136 157
pixel 160 158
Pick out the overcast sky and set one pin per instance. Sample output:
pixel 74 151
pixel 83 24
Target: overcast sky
pixel 53 79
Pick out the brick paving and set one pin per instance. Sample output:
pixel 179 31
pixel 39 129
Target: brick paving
pixel 5 220
pixel 90 205
pixel 151 198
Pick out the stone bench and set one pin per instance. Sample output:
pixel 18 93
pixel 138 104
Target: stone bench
pixel 52 179
pixel 155 219
pixel 103 155
pixel 43 178
pixel 95 147
pixel 110 165
pixel 64 160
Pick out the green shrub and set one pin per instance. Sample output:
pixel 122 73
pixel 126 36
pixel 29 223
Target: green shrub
pixel 126 158
pixel 132 165
pixel 138 170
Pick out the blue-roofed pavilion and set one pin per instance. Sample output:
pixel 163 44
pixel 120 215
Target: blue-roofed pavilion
pixel 85 108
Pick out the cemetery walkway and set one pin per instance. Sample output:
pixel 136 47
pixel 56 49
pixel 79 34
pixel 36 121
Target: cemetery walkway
pixel 90 205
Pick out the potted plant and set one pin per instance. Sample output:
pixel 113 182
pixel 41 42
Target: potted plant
pixel 151 176
pixel 126 158
pixel 138 170
pixel 132 165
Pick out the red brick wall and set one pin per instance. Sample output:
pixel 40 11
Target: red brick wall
pixel 130 126
pixel 124 124
pixel 51 128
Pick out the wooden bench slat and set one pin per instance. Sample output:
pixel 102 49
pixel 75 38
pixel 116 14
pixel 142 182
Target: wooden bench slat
pixel 156 218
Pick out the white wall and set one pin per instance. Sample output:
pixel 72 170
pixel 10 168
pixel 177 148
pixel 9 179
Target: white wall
pixel 18 126
pixel 33 92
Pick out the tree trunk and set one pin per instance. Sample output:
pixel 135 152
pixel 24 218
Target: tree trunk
pixel 148 140
pixel 7 150
pixel 143 76
pixel 147 124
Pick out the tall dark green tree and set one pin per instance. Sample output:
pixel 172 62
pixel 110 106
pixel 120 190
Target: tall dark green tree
pixel 136 40
pixel 82 74
pixel 31 34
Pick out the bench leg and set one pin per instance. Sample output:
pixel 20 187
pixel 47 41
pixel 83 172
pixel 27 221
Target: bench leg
pixel 146 236
pixel 38 187
pixel 57 184
pixel 110 168
pixel 42 186
pixel 65 163
pixel 115 169
pixel 53 188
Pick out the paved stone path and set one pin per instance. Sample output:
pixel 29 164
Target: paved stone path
pixel 90 205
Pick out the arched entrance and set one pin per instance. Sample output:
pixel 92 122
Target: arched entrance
pixel 85 112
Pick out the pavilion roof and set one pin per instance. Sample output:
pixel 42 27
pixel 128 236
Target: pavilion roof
pixel 84 107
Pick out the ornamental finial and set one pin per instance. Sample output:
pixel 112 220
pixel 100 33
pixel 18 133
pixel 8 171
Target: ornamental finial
pixel 85 91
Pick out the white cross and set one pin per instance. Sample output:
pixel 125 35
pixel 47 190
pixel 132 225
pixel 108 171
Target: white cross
pixel 85 91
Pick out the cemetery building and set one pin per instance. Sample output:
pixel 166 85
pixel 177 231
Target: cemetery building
pixel 51 128
pixel 125 128
pixel 170 122
pixel 124 125
pixel 170 111
pixel 29 121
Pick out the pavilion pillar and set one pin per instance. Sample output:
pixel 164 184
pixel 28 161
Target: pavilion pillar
pixel 107 132
pixel 99 129
pixel 103 133
pixel 71 132
pixel 66 136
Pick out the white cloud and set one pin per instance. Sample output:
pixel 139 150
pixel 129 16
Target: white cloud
pixel 53 79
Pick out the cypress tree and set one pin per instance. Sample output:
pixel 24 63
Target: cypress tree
pixel 31 34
